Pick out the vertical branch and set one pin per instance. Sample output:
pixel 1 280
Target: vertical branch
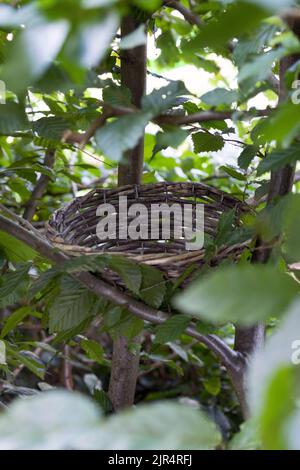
pixel 248 340
pixel 133 76
pixel 125 364
pixel 40 187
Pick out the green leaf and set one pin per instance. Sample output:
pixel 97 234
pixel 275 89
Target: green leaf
pixel 206 142
pixel 128 270
pixel 171 138
pixel 278 159
pixel 93 349
pixel 13 286
pixel 95 38
pixel 237 20
pixel 226 226
pixel 246 156
pixel 117 95
pixel 48 421
pixel 290 211
pixel 164 98
pixel 28 360
pixel 231 171
pixel 51 128
pixel 128 325
pixel 85 263
pixel 120 135
pixel 51 420
pixel 71 306
pixel 282 126
pixel 103 400
pixel 171 329
pixel 213 386
pixel 14 319
pixel 12 119
pixel 134 39
pixel 243 294
pixel 160 426
pixel 14 249
pixel 170 53
pixel 220 96
pixel 273 384
pixel 153 287
pixel 260 67
pixel 32 52
pixel 247 438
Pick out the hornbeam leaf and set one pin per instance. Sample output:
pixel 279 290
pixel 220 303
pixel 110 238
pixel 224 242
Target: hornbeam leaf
pixel 120 135
pixel 243 294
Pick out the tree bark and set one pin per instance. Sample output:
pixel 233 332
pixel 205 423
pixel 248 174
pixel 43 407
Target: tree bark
pixel 125 364
pixel 249 340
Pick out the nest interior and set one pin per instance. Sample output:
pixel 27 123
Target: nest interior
pixel 73 228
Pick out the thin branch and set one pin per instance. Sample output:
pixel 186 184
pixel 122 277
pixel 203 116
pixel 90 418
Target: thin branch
pixel 40 187
pixel 205 116
pixel 190 16
pixel 231 359
pixel 117 111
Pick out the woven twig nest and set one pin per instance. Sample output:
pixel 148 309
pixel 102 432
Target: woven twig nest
pixel 73 227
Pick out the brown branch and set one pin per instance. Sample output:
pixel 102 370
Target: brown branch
pixel 67 375
pixel 117 111
pixel 205 116
pixel 188 15
pixel 40 187
pixel 231 359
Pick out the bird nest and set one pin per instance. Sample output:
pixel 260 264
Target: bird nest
pixel 73 228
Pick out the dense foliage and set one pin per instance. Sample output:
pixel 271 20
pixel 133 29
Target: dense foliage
pixel 66 122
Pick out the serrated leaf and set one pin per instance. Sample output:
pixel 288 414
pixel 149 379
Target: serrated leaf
pixel 231 171
pixel 164 98
pixel 128 325
pixel 219 96
pixel 278 159
pixel 243 294
pixel 28 360
pixel 117 95
pixel 14 249
pixel 85 263
pixel 13 286
pixel 171 329
pixel 93 349
pixel 128 270
pixel 206 142
pixel 51 128
pixel 225 228
pixel 71 306
pixel 237 20
pixel 14 319
pixel 171 138
pixel 12 119
pixel 246 156
pixel 120 135
pixel 153 288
